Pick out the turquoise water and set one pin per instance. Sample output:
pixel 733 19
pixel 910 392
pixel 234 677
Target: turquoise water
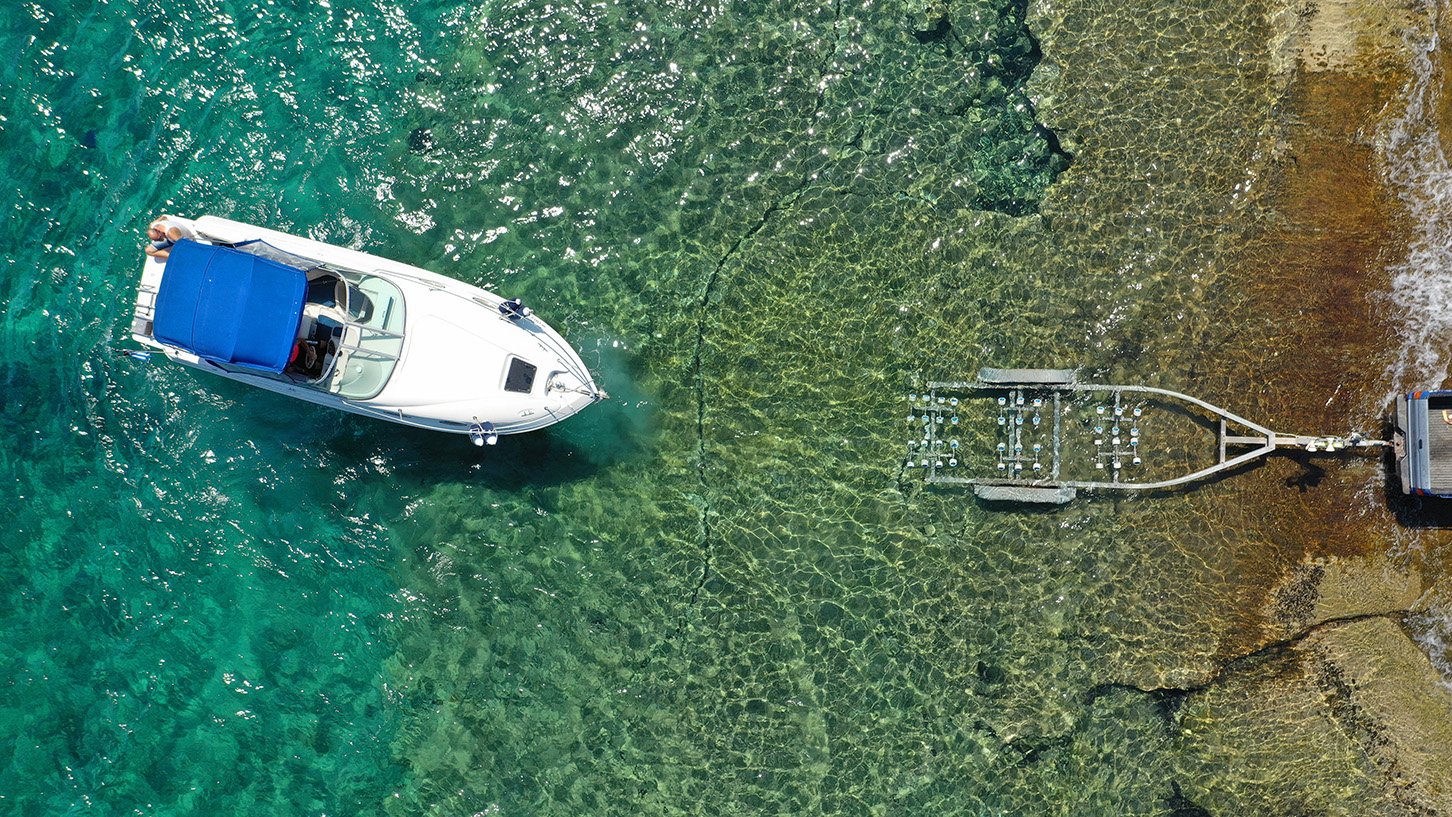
pixel 762 225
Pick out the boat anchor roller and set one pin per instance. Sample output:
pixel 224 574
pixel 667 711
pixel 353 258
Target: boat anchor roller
pixel 1041 436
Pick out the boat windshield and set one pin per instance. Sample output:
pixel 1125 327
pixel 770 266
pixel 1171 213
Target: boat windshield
pixel 372 337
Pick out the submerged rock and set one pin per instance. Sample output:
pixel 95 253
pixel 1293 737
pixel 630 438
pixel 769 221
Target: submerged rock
pixel 1334 587
pixel 1383 689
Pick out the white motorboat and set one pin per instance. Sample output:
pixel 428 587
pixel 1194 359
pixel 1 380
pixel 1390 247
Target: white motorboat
pixel 356 332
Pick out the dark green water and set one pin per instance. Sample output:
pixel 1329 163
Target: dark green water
pixel 762 224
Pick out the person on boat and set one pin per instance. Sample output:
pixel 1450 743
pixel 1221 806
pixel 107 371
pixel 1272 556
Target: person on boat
pixel 305 360
pixel 164 233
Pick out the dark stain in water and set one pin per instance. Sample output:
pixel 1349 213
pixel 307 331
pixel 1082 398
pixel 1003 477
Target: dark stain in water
pixel 1181 806
pixel 997 64
pixel 935 33
pixel 421 140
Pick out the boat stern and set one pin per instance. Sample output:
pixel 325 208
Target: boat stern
pixel 143 315
pixel 148 288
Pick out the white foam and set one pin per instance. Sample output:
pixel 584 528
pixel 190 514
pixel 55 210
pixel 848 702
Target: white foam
pixel 1416 167
pixel 1433 631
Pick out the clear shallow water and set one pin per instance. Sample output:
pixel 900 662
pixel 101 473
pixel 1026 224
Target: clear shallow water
pixel 762 225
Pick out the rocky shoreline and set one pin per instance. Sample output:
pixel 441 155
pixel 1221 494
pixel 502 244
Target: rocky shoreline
pixel 1331 649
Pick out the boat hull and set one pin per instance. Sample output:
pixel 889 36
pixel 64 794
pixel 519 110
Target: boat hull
pixel 454 353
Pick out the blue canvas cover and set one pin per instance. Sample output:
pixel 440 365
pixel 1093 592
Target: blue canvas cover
pixel 229 306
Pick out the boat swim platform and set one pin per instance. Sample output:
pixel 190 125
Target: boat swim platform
pixel 1040 436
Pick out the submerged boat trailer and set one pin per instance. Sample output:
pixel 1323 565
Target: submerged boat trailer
pixel 1049 446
